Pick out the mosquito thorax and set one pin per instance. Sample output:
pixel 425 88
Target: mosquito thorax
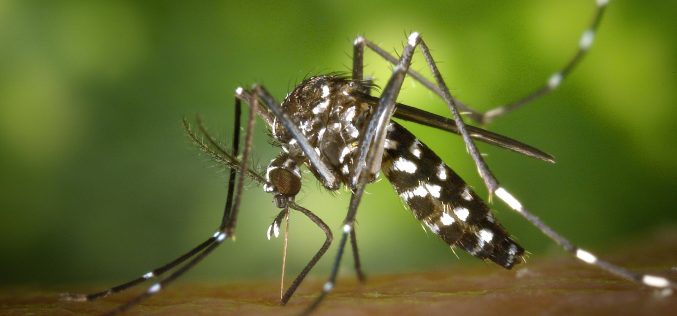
pixel 330 111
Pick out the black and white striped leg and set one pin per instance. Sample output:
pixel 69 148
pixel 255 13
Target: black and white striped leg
pixel 432 120
pixel 150 275
pixel 485 173
pixel 225 231
pixel 227 228
pixel 555 80
pixel 220 236
pixel 387 103
pixel 582 254
pixel 157 272
pixel 552 83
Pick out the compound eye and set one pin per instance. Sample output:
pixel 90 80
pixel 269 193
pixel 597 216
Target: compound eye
pixel 286 182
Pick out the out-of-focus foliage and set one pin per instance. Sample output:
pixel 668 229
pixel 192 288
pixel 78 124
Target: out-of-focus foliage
pixel 98 181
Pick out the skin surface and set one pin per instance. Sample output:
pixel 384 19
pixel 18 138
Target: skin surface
pixel 553 286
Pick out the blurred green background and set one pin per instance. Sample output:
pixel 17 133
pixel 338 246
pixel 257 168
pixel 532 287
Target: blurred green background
pixel 98 182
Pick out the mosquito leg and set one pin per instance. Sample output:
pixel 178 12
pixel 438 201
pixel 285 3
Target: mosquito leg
pixel 224 232
pixel 417 76
pixel 329 237
pixel 157 272
pixel 485 173
pixel 233 171
pixel 551 84
pixel 505 196
pixel 371 146
pixel 152 274
pixel 358 74
pixel 386 107
pixel 556 78
pixel 358 58
pixel 329 285
pixel 581 254
pixel 356 257
pixel 157 287
pixel 228 225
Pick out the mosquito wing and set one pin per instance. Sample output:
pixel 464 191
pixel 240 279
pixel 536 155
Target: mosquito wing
pixel 412 114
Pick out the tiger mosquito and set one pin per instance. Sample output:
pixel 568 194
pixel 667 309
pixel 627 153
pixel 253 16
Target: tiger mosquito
pixel 345 137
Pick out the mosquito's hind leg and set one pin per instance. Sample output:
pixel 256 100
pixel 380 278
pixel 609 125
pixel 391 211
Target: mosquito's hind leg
pixel 549 85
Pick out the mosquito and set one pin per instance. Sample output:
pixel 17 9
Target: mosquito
pixel 332 125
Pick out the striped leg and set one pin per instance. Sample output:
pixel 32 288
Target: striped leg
pixel 581 254
pixel 157 272
pixel 555 80
pixel 487 176
pixel 552 83
pixel 152 274
pixel 387 103
pixel 225 231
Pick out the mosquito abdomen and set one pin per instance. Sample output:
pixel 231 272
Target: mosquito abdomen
pixel 441 200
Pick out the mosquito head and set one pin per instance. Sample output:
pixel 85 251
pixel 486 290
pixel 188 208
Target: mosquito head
pixel 283 179
pixel 287 185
